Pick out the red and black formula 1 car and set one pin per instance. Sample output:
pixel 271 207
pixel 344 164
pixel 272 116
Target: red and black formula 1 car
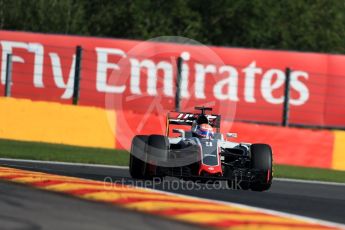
pixel 200 153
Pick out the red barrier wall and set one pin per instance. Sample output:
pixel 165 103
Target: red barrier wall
pixel 66 124
pixel 133 75
pixel 302 147
pixel 291 146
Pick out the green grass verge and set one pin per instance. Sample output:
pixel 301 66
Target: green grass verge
pixel 304 173
pixel 65 153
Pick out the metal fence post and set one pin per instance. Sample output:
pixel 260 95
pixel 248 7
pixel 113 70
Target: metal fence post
pixel 178 84
pixel 286 97
pixel 8 80
pixel 77 70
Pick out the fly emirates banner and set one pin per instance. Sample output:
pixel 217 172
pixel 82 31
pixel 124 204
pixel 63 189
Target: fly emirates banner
pixel 139 75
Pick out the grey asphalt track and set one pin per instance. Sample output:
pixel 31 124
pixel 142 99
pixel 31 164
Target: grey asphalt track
pixel 320 201
pixel 25 208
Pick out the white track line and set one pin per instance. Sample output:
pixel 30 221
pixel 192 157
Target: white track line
pixel 64 163
pixel 126 167
pixel 268 211
pixel 309 181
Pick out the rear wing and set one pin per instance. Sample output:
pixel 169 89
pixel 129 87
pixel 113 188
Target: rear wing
pixel 184 118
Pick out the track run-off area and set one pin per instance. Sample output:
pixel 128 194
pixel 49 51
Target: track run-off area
pixel 289 204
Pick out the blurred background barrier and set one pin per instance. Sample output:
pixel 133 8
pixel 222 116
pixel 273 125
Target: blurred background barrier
pixel 89 126
pixel 75 69
pixel 291 146
pixel 23 119
pixel 339 151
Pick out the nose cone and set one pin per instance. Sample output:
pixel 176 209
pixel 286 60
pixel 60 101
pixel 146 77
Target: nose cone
pixel 206 170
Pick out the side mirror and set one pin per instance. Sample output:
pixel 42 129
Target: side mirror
pixel 180 131
pixel 233 135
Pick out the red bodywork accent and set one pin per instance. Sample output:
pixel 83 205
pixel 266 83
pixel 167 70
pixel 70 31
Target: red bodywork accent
pixel 212 170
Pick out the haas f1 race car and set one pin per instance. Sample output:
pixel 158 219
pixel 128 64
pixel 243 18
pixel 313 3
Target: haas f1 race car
pixel 201 153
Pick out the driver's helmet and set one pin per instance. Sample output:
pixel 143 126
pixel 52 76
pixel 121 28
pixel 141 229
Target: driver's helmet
pixel 204 131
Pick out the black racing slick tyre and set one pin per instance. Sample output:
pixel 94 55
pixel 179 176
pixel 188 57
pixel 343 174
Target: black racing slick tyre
pixel 137 165
pixel 261 161
pixel 158 148
pixel 157 153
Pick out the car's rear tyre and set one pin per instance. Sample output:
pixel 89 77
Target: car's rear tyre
pixel 158 153
pixel 261 161
pixel 158 148
pixel 137 164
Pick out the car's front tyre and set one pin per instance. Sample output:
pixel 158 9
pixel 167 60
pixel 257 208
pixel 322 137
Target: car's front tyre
pixel 261 161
